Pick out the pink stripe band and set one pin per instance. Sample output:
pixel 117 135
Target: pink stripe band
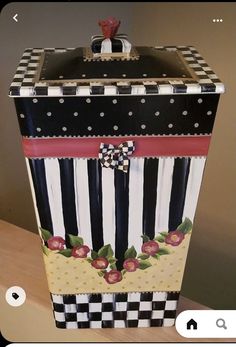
pixel 145 146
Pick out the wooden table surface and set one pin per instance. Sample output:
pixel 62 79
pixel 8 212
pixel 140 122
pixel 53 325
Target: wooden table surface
pixel 21 264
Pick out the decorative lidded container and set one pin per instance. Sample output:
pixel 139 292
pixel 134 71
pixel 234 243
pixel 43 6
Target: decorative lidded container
pixel 115 139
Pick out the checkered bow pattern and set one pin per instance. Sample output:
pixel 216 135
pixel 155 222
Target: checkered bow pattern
pixel 116 157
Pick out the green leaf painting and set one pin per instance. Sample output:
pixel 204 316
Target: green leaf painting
pixel 160 238
pixel 106 251
pixel 186 226
pixel 66 252
pixel 76 240
pixel 101 273
pixel 144 264
pixel 45 250
pixel 163 251
pixel 143 256
pixel 130 253
pixel 145 238
pixel 164 233
pixel 156 256
pixel 112 260
pixel 94 255
pixel 46 235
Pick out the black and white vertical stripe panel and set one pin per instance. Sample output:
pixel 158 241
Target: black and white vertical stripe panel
pixel 24 80
pixel 125 310
pixel 119 43
pixel 105 206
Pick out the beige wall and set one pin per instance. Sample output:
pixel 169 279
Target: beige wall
pixel 209 276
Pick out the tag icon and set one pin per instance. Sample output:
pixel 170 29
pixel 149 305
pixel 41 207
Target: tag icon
pixel 15 296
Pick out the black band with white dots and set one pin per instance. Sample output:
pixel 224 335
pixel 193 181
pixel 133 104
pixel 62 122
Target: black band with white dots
pixel 117 116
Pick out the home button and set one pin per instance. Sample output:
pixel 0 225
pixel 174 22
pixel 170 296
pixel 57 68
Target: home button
pixel 191 324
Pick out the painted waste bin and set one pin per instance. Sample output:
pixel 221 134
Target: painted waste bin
pixel 115 139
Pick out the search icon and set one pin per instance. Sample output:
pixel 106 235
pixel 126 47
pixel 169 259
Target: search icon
pixel 220 323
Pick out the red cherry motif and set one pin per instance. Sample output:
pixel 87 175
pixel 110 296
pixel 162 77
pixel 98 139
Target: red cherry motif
pixel 100 263
pixel 174 238
pixel 56 243
pixel 131 264
pixel 113 276
pixel 150 247
pixel 80 251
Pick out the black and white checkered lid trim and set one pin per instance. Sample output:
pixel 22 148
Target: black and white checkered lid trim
pixel 24 84
pixel 115 310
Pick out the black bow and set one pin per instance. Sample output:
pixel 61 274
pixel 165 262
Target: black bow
pixel 116 157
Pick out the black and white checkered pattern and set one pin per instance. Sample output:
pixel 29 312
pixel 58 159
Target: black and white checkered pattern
pixel 116 157
pixel 24 83
pixel 124 310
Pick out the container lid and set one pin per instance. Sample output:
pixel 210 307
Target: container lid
pixel 153 70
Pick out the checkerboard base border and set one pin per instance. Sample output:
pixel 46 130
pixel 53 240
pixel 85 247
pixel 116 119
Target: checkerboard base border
pixel 115 310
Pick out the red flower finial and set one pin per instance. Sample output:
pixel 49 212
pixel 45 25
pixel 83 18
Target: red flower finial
pixel 109 27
